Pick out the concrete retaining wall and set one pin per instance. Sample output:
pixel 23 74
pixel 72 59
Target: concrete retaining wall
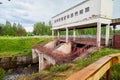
pixel 10 62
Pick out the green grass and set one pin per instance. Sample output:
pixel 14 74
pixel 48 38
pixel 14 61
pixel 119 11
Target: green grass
pixel 59 68
pixel 2 74
pixel 19 46
pixel 96 56
pixel 61 72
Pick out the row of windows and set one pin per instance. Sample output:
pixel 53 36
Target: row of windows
pixel 72 15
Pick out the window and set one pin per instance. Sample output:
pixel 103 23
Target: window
pixel 68 16
pixel 59 19
pixel 71 15
pixel 54 21
pixel 64 17
pixel 87 9
pixel 81 11
pixel 76 13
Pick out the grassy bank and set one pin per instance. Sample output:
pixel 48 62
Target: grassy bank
pixel 61 72
pixel 18 46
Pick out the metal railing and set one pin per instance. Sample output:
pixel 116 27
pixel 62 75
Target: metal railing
pixel 96 70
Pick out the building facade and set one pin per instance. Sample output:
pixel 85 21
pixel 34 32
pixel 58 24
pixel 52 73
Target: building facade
pixel 89 13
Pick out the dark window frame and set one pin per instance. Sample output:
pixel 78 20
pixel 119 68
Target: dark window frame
pixel 72 15
pixel 81 11
pixel 64 17
pixel 68 16
pixel 54 21
pixel 76 13
pixel 61 18
pixel 87 9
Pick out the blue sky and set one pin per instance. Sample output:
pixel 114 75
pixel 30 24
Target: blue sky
pixel 28 12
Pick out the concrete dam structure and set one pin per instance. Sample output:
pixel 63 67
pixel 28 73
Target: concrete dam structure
pixel 87 14
pixel 58 52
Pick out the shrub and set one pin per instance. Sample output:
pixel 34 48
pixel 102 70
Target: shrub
pixel 59 68
pixel 2 74
pixel 9 71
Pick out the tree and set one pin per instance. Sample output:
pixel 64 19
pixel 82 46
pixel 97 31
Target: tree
pixel 39 28
pixel 7 28
pixel 1 29
pixel 14 29
pixel 20 30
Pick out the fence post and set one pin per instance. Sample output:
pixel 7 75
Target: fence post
pixel 108 75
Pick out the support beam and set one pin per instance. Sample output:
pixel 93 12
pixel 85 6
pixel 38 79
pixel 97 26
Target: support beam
pixel 34 56
pixel 52 34
pixel 67 34
pixel 58 34
pixel 98 34
pixel 107 35
pixel 41 63
pixel 114 27
pixel 108 75
pixel 74 34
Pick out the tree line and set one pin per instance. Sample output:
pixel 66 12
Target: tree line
pixel 40 29
pixel 8 29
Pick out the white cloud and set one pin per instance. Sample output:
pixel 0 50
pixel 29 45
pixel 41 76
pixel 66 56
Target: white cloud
pixel 28 12
pixel 29 29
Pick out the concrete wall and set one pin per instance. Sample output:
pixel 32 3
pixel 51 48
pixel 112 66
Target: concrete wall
pixel 107 8
pixel 97 9
pixel 9 62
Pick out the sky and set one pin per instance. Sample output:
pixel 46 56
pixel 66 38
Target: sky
pixel 28 12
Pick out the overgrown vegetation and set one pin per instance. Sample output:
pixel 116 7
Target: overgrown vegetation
pixel 59 68
pixel 11 46
pixel 2 74
pixel 61 72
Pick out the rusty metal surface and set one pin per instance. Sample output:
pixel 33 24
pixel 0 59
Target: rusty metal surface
pixel 59 56
pixel 87 41
pixel 116 41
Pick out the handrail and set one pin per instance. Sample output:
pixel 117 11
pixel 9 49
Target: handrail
pixel 96 70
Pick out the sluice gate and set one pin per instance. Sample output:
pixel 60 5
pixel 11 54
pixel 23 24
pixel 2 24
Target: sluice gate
pixel 59 52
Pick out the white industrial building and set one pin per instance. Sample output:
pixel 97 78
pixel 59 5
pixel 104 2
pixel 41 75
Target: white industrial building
pixel 87 14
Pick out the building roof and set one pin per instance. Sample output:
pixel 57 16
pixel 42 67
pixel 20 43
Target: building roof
pixel 71 8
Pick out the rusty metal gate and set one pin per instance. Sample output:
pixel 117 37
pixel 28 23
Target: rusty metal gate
pixel 116 41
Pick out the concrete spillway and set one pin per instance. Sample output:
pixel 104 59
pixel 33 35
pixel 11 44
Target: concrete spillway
pixel 56 52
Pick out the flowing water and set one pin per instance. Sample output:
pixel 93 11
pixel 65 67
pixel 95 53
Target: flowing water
pixel 21 71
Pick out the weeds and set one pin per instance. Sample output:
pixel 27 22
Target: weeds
pixel 2 74
pixel 59 68
pixel 9 71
